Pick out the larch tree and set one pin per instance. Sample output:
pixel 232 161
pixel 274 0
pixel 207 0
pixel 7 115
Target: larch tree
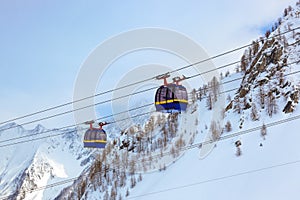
pixel 215 130
pixel 132 181
pixel 209 101
pixel 263 131
pixel 237 105
pixel 227 73
pixel 194 95
pixel 132 166
pixel 127 192
pixel 254 113
pixel 250 56
pixel 228 126
pixel 267 34
pixel 200 94
pixel 215 88
pixel 255 46
pixel 106 196
pixel 261 96
pixel 272 104
pixel 238 151
pixel 113 194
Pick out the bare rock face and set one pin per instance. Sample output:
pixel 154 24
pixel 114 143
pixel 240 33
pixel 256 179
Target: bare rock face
pixel 247 106
pixel 243 92
pixel 268 67
pixel 288 107
pixel 295 96
pixel 229 106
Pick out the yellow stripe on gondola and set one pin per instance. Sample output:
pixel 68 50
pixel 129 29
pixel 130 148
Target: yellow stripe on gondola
pixel 171 101
pixel 100 141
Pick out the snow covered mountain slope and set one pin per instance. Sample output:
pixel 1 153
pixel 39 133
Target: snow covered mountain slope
pixel 119 168
pixel 209 152
pixel 261 172
pixel 213 166
pixel 37 163
pixel 265 165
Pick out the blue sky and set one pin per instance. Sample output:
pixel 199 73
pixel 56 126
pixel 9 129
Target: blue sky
pixel 44 43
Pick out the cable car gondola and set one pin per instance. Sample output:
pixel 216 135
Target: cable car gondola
pixel 171 96
pixel 95 137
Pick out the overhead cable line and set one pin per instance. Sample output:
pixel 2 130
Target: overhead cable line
pixel 148 79
pixel 101 118
pixel 124 96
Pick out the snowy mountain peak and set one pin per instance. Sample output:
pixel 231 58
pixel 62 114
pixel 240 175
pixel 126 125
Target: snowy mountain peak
pixel 11 125
pixel 39 128
pixel 58 155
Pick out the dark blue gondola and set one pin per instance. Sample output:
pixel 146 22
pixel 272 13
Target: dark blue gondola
pixel 171 96
pixel 95 137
